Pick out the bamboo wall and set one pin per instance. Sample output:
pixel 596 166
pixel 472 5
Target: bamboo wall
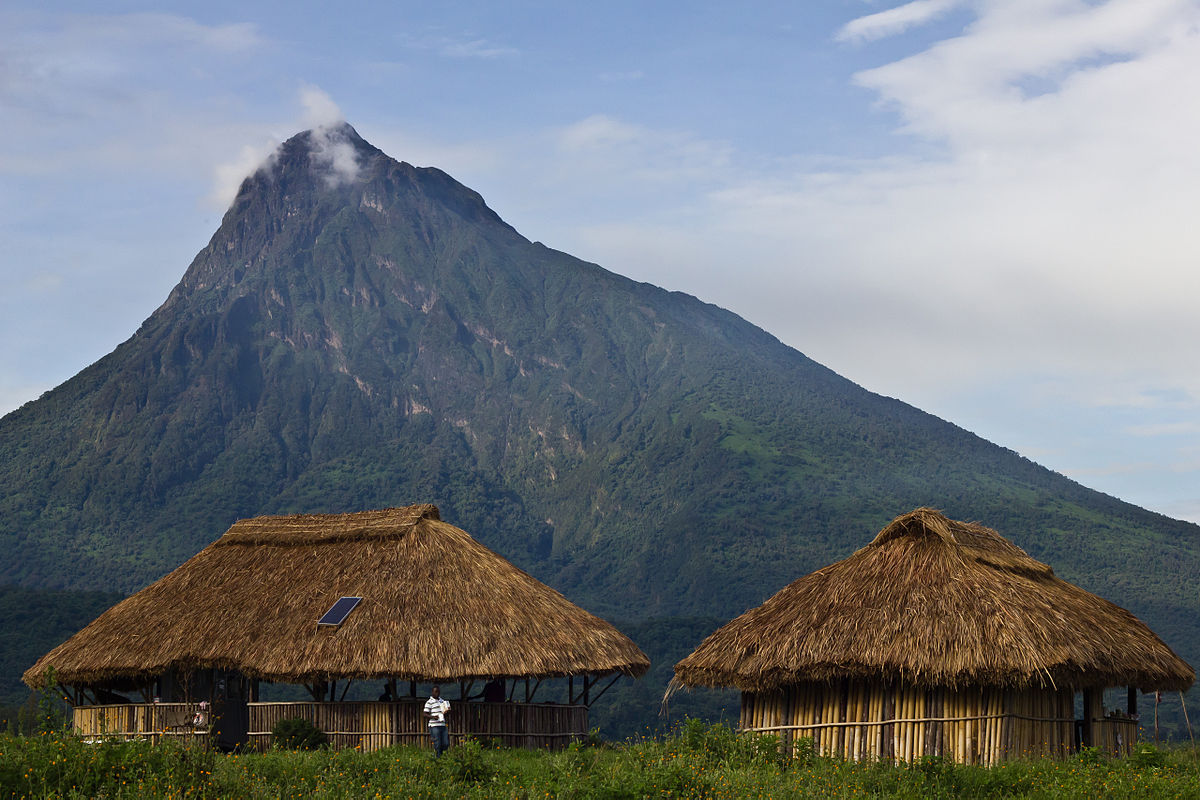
pixel 1112 733
pixel 373 725
pixel 982 725
pixel 137 721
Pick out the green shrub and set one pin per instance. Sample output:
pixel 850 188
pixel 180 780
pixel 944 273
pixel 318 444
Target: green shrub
pixel 1147 755
pixel 298 734
pixel 804 751
pixel 468 762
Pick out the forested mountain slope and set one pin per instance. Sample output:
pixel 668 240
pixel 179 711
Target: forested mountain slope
pixel 374 335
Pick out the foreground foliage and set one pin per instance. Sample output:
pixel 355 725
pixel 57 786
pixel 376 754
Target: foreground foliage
pixel 696 761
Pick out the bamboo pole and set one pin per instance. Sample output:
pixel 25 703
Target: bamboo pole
pixel 889 713
pixel 935 728
pixel 914 728
pixel 907 726
pixel 814 714
pixel 983 743
pixel 843 710
pixel 989 746
pixel 1002 724
pixel 877 714
pixel 856 732
pixel 819 717
pixel 919 726
pixel 961 734
pixel 998 732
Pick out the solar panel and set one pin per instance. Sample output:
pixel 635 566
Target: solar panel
pixel 340 610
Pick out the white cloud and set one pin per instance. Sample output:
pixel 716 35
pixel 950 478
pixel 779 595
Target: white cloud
pixel 608 148
pixel 319 109
pixel 331 153
pixel 476 48
pixel 463 46
pixel 125 80
pixel 229 175
pixel 1166 429
pixel 894 20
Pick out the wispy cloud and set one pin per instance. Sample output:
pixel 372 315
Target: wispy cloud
pixel 628 76
pixel 331 154
pixel 475 48
pixel 464 46
pixel 1165 429
pixel 604 144
pixel 894 20
pixel 119 77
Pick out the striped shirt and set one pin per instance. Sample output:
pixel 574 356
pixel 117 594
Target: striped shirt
pixel 436 708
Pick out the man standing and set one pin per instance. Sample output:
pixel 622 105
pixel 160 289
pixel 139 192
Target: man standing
pixel 435 712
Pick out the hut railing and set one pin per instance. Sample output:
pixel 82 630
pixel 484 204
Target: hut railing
pixel 151 721
pixel 374 725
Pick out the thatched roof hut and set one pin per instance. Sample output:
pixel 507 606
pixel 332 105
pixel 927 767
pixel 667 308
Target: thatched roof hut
pixel 932 603
pixel 437 606
pixel 938 602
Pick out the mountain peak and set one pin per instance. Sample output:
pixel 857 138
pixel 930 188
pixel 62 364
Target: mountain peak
pixel 335 153
pixel 328 185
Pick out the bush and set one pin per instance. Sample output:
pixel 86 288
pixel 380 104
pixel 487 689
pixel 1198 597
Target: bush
pixel 469 762
pixel 1147 755
pixel 298 734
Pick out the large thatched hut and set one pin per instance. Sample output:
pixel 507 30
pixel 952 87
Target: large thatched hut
pixel 435 606
pixel 938 638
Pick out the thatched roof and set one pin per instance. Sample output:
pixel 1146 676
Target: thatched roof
pixel 437 606
pixel 936 602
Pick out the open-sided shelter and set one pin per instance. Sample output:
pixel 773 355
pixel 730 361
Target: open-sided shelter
pixel 436 606
pixel 938 638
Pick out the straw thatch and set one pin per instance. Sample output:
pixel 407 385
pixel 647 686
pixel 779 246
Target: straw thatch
pixel 941 603
pixel 437 606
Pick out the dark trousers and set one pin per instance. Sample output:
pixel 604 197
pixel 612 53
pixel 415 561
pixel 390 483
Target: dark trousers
pixel 441 738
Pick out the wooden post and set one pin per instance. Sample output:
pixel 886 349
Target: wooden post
pixel 1132 701
pixel 1087 716
pixel 786 739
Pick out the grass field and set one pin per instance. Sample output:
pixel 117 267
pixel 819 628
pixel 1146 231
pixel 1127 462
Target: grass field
pixel 697 760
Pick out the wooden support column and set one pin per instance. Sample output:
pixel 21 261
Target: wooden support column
pixel 1086 736
pixel 1132 704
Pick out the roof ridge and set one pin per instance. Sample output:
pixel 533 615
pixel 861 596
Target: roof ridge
pixel 306 530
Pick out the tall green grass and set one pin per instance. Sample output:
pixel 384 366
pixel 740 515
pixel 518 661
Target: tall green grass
pixel 697 760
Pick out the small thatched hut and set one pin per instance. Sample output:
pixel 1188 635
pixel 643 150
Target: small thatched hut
pixel 938 638
pixel 436 606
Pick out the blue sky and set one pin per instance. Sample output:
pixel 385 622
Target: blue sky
pixel 982 208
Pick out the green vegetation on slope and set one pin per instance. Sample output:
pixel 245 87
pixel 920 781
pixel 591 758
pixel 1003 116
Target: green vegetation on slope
pixel 32 622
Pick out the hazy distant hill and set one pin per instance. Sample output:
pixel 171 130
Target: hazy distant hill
pixel 379 337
